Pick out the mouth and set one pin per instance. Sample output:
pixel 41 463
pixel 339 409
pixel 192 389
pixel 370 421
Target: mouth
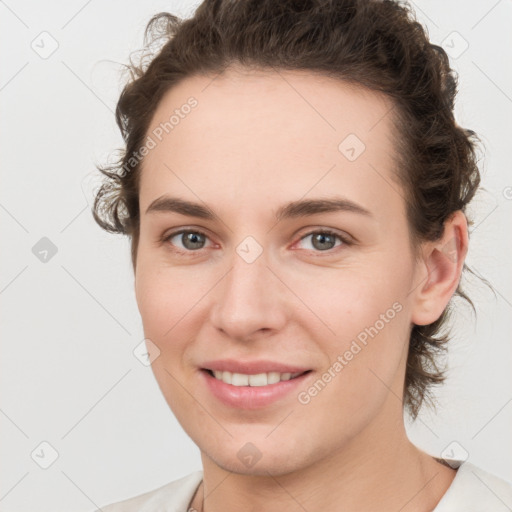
pixel 253 380
pixel 252 391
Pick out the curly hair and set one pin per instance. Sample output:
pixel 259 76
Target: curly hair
pixel 376 44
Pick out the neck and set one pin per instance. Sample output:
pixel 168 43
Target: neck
pixel 380 469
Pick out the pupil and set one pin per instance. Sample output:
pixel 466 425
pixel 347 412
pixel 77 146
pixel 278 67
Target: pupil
pixel 192 241
pixel 321 237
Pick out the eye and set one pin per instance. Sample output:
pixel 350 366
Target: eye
pixel 324 240
pixel 191 240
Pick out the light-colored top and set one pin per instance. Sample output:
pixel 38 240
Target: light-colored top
pixel 472 490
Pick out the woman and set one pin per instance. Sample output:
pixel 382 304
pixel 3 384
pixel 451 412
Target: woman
pixel 294 185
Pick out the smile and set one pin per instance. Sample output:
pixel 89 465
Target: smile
pixel 257 380
pixel 252 391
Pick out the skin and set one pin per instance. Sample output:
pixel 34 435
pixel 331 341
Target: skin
pixel 255 141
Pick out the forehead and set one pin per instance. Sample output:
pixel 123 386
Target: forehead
pixel 258 131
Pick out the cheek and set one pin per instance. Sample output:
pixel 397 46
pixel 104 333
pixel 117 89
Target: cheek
pixel 166 300
pixel 364 361
pixel 342 302
pixel 161 306
pixel 368 315
pixel 166 295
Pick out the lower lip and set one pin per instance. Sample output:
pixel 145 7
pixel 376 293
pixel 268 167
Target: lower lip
pixel 251 397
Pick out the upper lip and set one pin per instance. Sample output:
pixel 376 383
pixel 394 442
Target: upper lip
pixel 252 367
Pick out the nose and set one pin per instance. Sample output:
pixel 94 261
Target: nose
pixel 250 300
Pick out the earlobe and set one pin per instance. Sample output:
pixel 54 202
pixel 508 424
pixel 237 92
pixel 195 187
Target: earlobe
pixel 442 264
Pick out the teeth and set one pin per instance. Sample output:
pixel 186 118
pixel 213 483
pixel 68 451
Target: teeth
pixel 239 379
pixel 260 379
pixel 273 377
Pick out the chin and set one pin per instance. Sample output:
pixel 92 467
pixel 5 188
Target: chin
pixel 261 457
pixel 278 466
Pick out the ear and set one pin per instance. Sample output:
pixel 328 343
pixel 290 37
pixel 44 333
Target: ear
pixel 439 270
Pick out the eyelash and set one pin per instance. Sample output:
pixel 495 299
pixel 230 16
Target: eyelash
pixel 345 241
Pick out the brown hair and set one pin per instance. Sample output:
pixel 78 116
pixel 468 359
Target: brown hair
pixel 370 43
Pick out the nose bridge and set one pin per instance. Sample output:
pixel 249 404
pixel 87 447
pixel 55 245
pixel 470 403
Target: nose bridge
pixel 248 297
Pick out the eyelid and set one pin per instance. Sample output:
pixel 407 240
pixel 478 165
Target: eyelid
pixel 343 237
pixel 167 236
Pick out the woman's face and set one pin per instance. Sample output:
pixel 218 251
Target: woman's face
pixel 246 291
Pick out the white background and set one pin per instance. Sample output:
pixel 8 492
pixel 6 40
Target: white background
pixel 69 325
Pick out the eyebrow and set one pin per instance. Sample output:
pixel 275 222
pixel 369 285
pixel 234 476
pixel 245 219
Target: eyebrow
pixel 294 209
